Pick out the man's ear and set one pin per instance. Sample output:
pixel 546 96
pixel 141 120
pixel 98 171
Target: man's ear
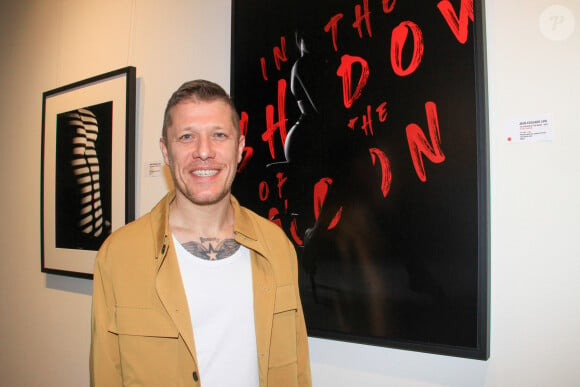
pixel 163 146
pixel 241 145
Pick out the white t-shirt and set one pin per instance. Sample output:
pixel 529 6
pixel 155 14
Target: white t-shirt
pixel 221 305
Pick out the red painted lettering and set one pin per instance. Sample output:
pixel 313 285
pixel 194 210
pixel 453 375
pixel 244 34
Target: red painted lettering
pixel 248 150
pixel 280 53
pixel 351 122
pixel 320 191
pixel 247 154
pixel 386 173
pixel 418 142
pixel 398 39
pixel 281 180
pixel 294 233
pixel 345 71
pixel 367 125
pixel 280 125
pixel 332 26
pixel 244 119
pixel 263 191
pixel 458 25
pixel 389 5
pixel 367 121
pixel 273 216
pixel 263 66
pixel 366 16
pixel 382 111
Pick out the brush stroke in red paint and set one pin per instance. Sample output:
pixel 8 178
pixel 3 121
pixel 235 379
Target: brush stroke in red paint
pixel 398 40
pixel 248 151
pixel 320 190
pixel 345 72
pixel 280 125
pixel 418 143
pixel 332 26
pixel 388 6
pixel 386 173
pixel 280 53
pixel 458 25
pixel 366 16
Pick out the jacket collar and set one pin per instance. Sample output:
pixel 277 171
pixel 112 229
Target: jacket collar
pixel 244 226
pixel 245 229
pixel 160 226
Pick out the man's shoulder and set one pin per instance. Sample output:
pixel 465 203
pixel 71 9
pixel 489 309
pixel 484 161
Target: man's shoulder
pixel 136 225
pixel 142 229
pixel 271 242
pixel 269 237
pixel 261 223
pixel 133 233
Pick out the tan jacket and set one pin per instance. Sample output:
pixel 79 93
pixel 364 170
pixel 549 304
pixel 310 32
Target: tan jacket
pixel 141 329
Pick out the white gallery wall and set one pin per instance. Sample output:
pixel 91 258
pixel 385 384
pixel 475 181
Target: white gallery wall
pixel 533 51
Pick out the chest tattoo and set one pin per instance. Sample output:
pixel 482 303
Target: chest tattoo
pixel 212 248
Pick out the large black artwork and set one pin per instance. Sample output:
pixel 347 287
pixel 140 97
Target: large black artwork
pixel 366 141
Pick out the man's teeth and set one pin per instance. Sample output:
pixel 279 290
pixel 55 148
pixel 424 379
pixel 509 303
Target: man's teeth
pixel 205 172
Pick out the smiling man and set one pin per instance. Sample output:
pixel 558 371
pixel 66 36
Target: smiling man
pixel 200 291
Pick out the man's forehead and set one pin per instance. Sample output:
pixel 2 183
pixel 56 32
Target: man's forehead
pixel 200 103
pixel 217 111
pixel 185 119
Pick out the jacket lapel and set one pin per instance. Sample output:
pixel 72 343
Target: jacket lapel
pixel 169 284
pixel 264 297
pixel 264 286
pixel 172 294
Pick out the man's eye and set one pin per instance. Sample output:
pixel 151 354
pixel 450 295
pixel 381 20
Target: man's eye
pixel 185 137
pixel 220 135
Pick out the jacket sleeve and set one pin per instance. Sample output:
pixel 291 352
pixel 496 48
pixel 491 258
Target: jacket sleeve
pixel 304 376
pixel 104 361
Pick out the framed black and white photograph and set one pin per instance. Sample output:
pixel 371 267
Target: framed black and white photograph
pixel 366 141
pixel 88 168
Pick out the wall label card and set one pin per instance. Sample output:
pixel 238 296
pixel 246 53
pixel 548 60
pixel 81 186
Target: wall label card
pixel 530 129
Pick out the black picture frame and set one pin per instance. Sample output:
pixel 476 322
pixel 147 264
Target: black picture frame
pixel 367 142
pixel 87 168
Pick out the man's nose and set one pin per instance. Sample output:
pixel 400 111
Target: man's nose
pixel 204 148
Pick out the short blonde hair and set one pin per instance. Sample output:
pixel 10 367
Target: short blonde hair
pixel 199 90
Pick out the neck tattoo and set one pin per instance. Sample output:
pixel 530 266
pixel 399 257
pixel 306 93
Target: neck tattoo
pixel 212 249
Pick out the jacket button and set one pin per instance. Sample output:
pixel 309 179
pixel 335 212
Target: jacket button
pixel 195 377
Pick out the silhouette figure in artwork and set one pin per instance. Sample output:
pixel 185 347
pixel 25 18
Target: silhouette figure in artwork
pixel 80 219
pixel 327 160
pixel 315 144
